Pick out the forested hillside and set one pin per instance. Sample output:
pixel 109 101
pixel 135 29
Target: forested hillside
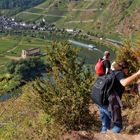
pixel 6 4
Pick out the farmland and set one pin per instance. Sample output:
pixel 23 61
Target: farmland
pixel 12 46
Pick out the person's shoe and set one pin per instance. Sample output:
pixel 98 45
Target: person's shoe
pixel 116 129
pixel 103 130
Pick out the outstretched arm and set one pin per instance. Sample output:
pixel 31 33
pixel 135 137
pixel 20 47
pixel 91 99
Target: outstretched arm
pixel 130 79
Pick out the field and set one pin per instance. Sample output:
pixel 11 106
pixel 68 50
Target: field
pixel 12 46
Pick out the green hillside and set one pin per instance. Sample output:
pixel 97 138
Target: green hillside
pixel 99 17
pixel 47 95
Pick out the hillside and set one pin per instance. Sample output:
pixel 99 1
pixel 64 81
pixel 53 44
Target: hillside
pixel 8 4
pixel 47 96
pixel 23 118
pixel 109 18
pixel 41 110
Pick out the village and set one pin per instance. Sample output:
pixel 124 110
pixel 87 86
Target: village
pixel 9 23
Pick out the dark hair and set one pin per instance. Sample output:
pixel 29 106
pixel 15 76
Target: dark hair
pixel 123 65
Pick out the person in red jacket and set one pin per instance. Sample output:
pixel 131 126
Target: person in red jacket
pixel 102 66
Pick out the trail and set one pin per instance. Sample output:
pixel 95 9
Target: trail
pixel 84 135
pixel 86 10
pixel 113 136
pixel 49 15
pixel 80 21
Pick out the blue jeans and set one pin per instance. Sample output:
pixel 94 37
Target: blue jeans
pixel 105 118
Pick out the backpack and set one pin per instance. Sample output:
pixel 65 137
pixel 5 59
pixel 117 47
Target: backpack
pixel 102 88
pixel 99 67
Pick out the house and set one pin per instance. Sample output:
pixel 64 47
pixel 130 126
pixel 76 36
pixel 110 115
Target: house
pixel 30 52
pixel 70 30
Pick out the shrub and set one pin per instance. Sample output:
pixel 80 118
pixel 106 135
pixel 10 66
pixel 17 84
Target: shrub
pixel 130 54
pixel 27 69
pixel 65 92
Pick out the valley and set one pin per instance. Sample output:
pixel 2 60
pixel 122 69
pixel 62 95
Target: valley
pixel 48 52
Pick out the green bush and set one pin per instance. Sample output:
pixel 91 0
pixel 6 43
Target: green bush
pixel 129 53
pixel 65 92
pixel 20 72
pixel 27 69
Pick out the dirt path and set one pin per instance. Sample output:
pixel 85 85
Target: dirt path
pixel 12 57
pixel 79 21
pixel 113 136
pixel 83 135
pixel 86 10
pixel 49 15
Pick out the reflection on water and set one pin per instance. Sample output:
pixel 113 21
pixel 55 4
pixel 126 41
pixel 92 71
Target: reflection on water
pixel 89 46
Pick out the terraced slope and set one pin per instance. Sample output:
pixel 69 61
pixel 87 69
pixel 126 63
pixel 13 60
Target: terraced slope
pixel 108 18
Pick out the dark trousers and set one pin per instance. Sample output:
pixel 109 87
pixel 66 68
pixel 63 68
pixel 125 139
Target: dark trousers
pixel 115 109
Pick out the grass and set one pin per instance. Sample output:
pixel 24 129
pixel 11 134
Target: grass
pixel 36 10
pixel 45 4
pixel 7 44
pixel 22 118
pixel 16 44
pixel 115 36
pixel 27 17
pixel 36 41
pixel 133 6
pixel 3 61
pixel 51 19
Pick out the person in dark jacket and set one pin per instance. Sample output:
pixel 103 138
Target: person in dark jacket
pixel 112 112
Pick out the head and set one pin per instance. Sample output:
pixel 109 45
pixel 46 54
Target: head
pixel 106 54
pixel 115 66
pixel 124 67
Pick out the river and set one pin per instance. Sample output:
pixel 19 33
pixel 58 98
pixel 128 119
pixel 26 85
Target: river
pixel 88 46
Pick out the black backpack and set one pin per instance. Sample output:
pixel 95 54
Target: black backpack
pixel 102 88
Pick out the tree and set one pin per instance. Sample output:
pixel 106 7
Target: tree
pixel 27 69
pixel 65 92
